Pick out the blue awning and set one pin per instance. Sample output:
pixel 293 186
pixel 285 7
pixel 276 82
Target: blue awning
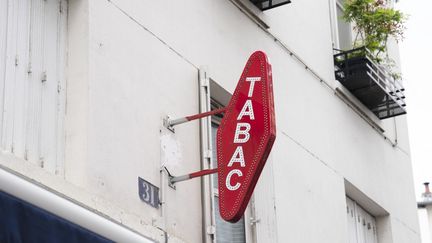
pixel 22 222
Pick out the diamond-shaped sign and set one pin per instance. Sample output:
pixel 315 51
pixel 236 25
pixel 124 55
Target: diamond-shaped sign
pixel 245 137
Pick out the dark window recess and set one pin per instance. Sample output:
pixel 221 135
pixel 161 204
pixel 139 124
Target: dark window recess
pixel 370 83
pixel 268 4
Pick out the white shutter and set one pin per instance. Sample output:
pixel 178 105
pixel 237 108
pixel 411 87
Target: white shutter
pixel 9 75
pixel 371 235
pixel 361 224
pixel 4 19
pixel 351 221
pixel 20 101
pixel 32 64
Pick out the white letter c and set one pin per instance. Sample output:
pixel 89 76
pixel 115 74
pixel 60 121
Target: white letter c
pixel 228 180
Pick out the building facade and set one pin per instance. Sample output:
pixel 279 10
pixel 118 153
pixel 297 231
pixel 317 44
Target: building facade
pixel 87 86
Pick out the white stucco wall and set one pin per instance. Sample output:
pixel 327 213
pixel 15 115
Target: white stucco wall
pixel 425 217
pixel 133 62
pixel 424 225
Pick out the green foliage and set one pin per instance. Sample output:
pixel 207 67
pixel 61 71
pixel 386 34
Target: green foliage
pixel 374 23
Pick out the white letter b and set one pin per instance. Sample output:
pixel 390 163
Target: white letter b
pixel 244 132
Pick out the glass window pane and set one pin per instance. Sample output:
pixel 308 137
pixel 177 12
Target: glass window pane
pixel 228 232
pixel 225 232
pixel 344 31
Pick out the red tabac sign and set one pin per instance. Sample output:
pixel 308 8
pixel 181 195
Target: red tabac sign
pixel 245 137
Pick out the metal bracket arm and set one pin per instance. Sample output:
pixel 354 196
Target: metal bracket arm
pixel 170 123
pixel 174 179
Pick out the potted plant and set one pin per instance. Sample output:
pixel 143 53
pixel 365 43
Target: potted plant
pixel 374 22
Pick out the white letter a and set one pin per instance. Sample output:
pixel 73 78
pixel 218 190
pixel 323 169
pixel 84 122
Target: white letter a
pixel 237 157
pixel 247 110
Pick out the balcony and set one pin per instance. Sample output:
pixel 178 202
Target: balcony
pixel 370 83
pixel 268 4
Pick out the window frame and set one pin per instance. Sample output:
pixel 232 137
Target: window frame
pixel 340 90
pixel 334 21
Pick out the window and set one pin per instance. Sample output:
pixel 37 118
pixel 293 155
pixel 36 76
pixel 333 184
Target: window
pixel 366 79
pixel 32 80
pixel 225 232
pixel 268 4
pixel 361 224
pixel 344 29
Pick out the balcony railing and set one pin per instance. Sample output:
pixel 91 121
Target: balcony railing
pixel 268 4
pixel 370 82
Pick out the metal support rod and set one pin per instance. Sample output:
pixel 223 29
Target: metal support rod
pixel 174 122
pixel 174 179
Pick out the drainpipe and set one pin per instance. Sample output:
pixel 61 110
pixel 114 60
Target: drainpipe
pixel 395 131
pixel 208 222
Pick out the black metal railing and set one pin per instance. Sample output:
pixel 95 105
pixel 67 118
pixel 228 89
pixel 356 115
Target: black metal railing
pixel 370 82
pixel 268 4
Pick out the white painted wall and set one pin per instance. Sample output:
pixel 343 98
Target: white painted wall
pixel 133 62
pixel 424 225
pixel 425 217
